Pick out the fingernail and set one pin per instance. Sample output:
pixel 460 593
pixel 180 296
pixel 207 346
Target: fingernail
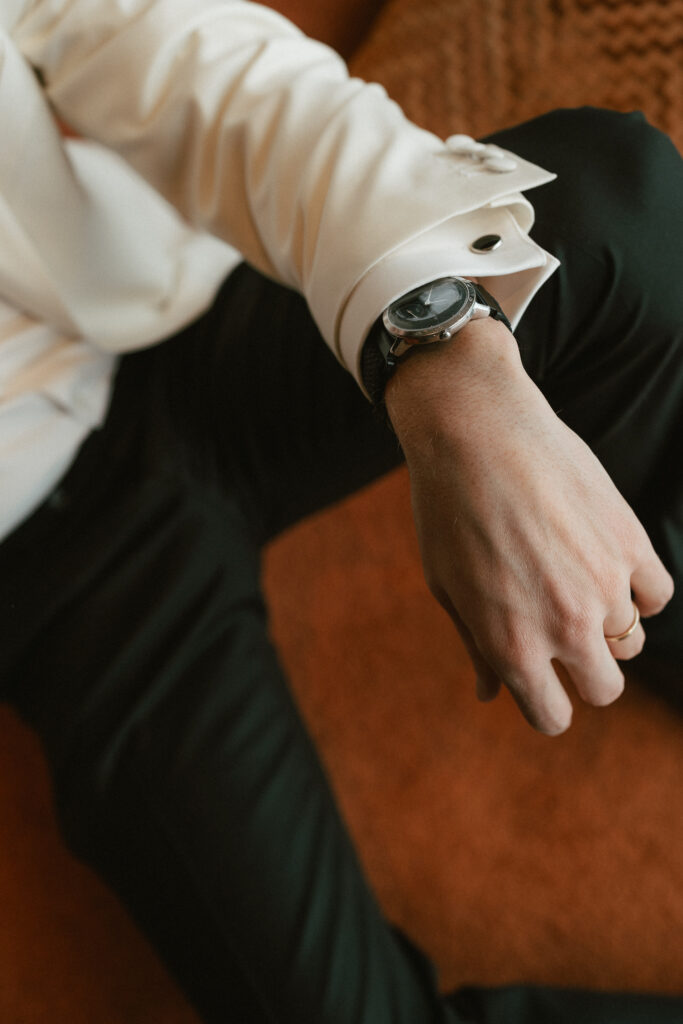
pixel 485 692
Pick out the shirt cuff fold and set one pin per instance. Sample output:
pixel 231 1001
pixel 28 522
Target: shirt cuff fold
pixel 513 271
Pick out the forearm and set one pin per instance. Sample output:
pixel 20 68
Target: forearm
pixel 259 136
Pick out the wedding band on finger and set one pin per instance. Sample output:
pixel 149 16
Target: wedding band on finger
pixel 631 629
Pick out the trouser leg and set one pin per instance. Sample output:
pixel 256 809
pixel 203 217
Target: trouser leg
pixel 184 775
pixel 279 420
pixel 182 770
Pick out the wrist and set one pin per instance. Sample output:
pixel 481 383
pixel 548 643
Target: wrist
pixel 439 389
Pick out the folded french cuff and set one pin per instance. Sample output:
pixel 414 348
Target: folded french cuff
pixel 513 271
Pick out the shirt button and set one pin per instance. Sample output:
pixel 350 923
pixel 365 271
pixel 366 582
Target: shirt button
pixel 465 145
pixel 486 243
pixel 500 163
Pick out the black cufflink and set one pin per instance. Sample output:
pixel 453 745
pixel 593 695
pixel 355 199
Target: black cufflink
pixel 486 243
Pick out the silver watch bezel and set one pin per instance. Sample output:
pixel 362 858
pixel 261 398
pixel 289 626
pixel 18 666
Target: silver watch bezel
pixel 405 339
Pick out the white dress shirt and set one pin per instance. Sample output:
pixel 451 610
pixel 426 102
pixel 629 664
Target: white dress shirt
pixel 262 148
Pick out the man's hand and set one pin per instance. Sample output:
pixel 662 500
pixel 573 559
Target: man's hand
pixel 525 540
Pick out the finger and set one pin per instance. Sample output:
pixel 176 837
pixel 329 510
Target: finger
pixel 542 699
pixel 535 687
pixel 595 674
pixel 652 586
pixel 624 634
pixel 629 647
pixel 488 683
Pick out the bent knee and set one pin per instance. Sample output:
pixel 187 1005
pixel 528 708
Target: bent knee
pixel 615 171
pixel 618 195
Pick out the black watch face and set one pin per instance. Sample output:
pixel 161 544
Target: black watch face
pixel 429 306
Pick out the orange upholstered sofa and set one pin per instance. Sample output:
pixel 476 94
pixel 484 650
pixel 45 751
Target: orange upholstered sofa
pixel 506 855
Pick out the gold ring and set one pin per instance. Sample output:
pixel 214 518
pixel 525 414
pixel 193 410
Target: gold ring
pixel 631 629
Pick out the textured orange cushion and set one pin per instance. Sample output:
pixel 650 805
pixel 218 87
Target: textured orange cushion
pixel 480 65
pixel 505 854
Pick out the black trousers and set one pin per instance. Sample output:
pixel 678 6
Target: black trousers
pixel 135 635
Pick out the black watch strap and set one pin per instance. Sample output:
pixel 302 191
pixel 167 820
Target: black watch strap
pixel 377 362
pixel 496 312
pixel 374 367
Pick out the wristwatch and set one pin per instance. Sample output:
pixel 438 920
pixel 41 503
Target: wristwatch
pixel 427 315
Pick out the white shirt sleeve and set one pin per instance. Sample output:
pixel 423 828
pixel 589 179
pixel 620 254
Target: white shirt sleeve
pixel 259 136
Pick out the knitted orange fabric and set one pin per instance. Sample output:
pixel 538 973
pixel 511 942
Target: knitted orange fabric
pixel 508 856
pixel 480 65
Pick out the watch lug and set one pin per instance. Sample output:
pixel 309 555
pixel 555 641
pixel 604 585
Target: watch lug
pixel 399 348
pixel 479 311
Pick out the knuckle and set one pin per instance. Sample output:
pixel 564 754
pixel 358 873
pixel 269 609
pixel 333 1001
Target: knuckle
pixel 513 657
pixel 575 626
pixel 612 584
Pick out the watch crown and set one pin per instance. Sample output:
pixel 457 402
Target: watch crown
pixel 444 335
